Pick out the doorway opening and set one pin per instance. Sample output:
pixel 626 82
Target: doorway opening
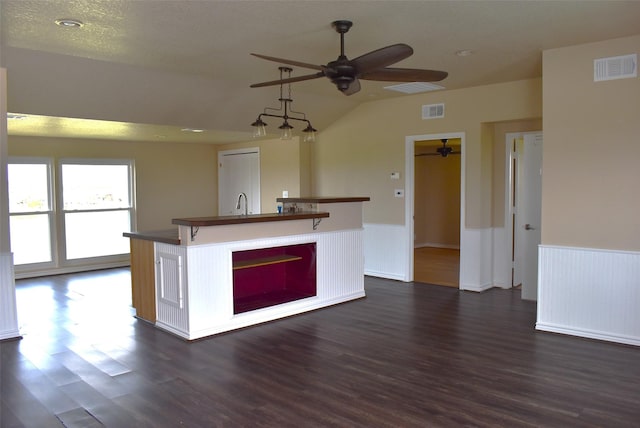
pixel 453 262
pixel 238 179
pixel 437 212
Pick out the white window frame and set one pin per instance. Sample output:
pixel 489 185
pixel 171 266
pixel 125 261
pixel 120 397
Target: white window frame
pixel 53 238
pixel 103 261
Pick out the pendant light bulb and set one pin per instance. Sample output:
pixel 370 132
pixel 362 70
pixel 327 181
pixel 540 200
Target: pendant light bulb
pixel 286 131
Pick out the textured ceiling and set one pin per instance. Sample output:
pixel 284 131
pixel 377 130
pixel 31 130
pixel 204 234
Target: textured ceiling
pixel 174 64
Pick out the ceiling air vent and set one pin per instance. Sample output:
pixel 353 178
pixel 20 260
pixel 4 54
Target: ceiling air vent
pixel 433 111
pixel 615 67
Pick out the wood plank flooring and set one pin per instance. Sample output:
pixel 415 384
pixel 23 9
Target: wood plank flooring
pixel 405 356
pixel 438 266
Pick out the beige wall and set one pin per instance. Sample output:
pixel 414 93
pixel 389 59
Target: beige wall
pixel 591 177
pixel 356 154
pixel 172 180
pixel 284 165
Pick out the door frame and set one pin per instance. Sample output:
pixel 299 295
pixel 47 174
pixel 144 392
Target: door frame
pixel 249 150
pixel 409 199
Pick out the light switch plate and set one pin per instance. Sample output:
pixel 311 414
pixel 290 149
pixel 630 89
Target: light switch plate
pixel 395 176
pixel 285 193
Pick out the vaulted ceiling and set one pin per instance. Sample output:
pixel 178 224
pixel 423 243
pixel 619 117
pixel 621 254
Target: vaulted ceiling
pixel 143 70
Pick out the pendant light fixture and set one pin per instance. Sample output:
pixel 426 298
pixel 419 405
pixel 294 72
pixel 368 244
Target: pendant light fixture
pixel 286 113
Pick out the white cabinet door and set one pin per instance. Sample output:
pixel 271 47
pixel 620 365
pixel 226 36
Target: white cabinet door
pixel 171 287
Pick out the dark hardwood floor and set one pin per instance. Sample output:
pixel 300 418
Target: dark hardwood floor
pixel 405 356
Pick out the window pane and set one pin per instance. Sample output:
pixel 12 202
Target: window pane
pixel 30 238
pixel 94 187
pixel 95 234
pixel 28 188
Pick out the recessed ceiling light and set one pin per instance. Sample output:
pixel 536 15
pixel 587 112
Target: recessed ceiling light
pixel 69 22
pixel 192 130
pixel 464 52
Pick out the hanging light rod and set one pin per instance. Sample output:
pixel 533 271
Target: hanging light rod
pixel 286 113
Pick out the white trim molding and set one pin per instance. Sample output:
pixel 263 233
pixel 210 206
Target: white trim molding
pixel 591 293
pixel 8 313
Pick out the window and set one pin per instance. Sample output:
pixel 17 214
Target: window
pixel 31 211
pixel 97 207
pixel 72 217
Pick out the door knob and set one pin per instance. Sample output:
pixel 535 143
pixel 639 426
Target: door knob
pixel 529 227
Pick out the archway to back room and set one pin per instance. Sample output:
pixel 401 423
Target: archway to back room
pixel 437 176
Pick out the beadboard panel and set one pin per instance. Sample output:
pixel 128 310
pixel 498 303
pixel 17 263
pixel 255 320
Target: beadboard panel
pixel 209 291
pixel 385 251
pixel 501 258
pixel 8 314
pixel 590 293
pixel 476 259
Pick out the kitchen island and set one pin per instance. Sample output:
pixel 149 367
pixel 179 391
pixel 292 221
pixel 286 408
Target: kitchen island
pixel 216 274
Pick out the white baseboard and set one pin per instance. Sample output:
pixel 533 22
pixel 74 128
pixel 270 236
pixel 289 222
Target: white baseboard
pixel 589 334
pixel 436 245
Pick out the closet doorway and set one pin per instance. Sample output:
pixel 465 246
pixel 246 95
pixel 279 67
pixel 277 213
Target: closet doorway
pixel 437 177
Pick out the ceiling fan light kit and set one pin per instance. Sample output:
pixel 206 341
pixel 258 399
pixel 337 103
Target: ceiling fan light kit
pixel 284 112
pixel 346 74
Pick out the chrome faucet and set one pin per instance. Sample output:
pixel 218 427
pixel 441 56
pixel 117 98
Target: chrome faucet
pixel 246 203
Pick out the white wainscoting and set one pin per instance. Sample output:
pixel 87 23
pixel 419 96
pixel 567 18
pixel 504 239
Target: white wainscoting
pixel 589 293
pixel 476 259
pixel 8 313
pixel 386 255
pixel 502 260
pixel 385 251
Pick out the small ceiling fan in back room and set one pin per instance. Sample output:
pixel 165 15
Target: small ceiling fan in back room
pixel 346 73
pixel 443 151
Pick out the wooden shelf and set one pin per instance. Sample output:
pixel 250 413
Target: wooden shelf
pixel 266 300
pixel 246 264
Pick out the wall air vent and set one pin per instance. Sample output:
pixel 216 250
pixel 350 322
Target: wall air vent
pixel 433 111
pixel 615 67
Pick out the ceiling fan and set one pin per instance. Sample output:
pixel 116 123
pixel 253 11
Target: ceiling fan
pixel 345 73
pixel 443 151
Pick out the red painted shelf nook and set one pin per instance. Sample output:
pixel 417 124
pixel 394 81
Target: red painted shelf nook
pixel 271 276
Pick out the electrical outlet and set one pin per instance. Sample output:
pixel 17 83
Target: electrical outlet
pixel 285 193
pixel 398 193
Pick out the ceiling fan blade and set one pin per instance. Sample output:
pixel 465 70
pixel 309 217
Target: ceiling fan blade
pixel 354 87
pixel 382 57
pixel 288 80
pixel 289 62
pixel 405 75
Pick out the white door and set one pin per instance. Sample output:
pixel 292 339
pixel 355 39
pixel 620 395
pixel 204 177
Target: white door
pixel 238 172
pixel 528 213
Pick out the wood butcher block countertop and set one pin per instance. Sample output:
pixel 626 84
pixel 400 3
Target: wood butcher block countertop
pixel 171 236
pixel 251 218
